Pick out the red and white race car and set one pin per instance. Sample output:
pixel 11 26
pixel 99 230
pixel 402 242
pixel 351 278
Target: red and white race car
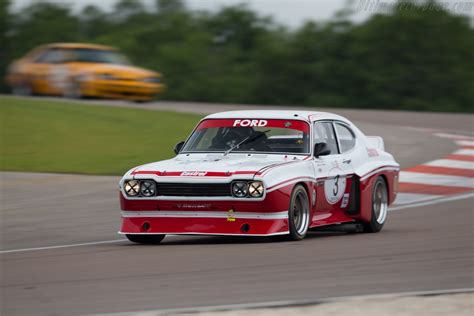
pixel 262 173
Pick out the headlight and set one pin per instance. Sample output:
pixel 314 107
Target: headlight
pixel 239 189
pixel 256 189
pixel 148 188
pixel 152 80
pixel 106 77
pixel 132 187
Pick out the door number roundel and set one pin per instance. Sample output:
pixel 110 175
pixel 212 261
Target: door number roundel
pixel 334 186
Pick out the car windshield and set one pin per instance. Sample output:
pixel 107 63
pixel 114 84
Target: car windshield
pixel 97 56
pixel 249 135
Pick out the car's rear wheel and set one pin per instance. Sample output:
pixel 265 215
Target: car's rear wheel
pixel 145 239
pixel 379 206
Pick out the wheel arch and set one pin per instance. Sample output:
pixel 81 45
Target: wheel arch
pixel 307 189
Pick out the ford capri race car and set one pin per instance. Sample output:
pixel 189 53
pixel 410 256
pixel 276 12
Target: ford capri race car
pixel 262 173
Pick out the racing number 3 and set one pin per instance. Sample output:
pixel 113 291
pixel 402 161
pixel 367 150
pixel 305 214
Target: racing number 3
pixel 335 190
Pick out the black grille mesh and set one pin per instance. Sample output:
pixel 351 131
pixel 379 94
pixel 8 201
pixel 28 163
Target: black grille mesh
pixel 193 189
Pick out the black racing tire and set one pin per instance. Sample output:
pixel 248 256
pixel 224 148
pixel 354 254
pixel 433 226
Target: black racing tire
pixel 24 89
pixel 379 207
pixel 298 216
pixel 145 239
pixel 73 90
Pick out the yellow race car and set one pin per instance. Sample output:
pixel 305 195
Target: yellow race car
pixel 78 70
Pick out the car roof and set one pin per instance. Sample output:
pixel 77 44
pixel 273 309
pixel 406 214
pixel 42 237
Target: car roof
pixel 308 116
pixel 79 45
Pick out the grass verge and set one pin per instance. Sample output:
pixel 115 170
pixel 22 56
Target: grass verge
pixel 66 137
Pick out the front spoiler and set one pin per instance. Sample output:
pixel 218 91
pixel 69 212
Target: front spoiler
pixel 250 224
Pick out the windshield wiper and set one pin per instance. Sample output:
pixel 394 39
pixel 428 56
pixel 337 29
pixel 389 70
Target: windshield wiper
pixel 246 140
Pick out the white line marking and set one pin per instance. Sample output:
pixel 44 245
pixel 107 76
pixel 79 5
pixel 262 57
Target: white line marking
pixel 63 246
pixel 448 163
pixel 434 201
pixel 454 136
pixel 410 198
pixel 465 143
pixel 402 207
pixel 466 152
pixel 289 303
pixel 436 179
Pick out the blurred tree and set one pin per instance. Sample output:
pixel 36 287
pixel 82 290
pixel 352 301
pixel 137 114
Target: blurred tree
pixel 417 56
pixel 415 59
pixel 5 50
pixel 94 23
pixel 41 23
pixel 124 9
pixel 170 6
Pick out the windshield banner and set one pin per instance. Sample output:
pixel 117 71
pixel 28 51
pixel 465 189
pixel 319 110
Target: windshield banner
pixel 290 124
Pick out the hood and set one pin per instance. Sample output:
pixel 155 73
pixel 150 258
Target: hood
pixel 199 165
pixel 117 71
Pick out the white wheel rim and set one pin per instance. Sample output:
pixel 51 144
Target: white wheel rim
pixel 380 202
pixel 300 211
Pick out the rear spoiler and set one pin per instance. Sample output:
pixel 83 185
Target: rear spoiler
pixel 377 142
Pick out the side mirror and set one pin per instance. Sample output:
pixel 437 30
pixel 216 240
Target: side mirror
pixel 178 147
pixel 321 149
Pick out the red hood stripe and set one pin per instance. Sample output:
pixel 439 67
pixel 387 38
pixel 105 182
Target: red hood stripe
pixel 203 173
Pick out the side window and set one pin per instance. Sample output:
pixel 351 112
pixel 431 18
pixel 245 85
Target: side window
pixel 324 133
pixel 51 56
pixel 346 137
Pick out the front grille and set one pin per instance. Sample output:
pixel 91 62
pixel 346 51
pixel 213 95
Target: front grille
pixel 193 189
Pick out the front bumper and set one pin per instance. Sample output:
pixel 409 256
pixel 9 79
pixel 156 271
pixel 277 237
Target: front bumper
pixel 122 89
pixel 204 223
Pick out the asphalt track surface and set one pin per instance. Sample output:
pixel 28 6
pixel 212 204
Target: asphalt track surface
pixel 421 248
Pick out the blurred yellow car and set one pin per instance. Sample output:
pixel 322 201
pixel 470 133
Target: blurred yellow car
pixel 78 70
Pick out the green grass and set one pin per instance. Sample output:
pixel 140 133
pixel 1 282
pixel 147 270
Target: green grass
pixel 65 137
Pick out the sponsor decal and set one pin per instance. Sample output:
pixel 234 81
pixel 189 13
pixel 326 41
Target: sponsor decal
pixel 193 173
pixel 334 186
pixel 230 215
pixel 372 152
pixel 345 200
pixel 250 123
pixel 194 206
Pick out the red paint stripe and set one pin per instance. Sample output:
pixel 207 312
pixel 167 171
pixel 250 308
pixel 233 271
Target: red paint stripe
pixel 460 157
pixel 289 180
pixel 379 168
pixel 178 173
pixel 268 168
pixel 467 147
pixel 431 189
pixel 442 170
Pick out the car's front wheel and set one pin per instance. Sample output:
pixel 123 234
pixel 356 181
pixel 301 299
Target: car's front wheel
pixel 379 206
pixel 73 90
pixel 23 89
pixel 145 239
pixel 298 213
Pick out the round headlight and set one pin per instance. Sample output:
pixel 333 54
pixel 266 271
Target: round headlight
pixel 132 187
pixel 239 189
pixel 106 77
pixel 152 80
pixel 148 188
pixel 256 189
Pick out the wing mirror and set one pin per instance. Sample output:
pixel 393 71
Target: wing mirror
pixel 178 147
pixel 321 149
